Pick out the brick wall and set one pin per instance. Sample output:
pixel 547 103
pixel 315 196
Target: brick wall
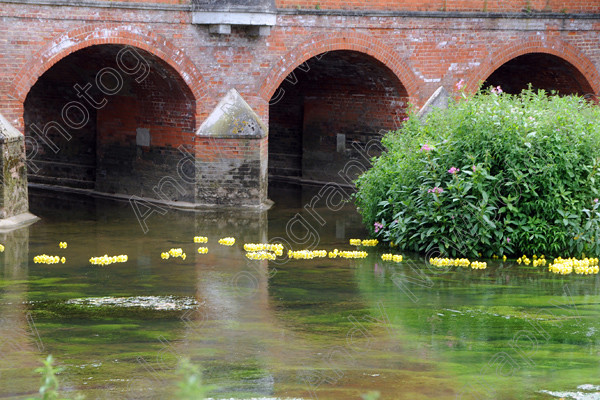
pixel 360 114
pixel 162 107
pixel 430 5
pixel 422 50
pixel 231 172
pixel 447 5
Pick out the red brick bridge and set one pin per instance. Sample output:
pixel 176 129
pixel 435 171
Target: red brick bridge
pixel 131 97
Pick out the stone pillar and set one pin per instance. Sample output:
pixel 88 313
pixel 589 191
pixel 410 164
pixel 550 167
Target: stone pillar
pixel 14 204
pixel 231 156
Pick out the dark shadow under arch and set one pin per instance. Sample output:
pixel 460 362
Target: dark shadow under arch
pixel 110 118
pixel 541 71
pixel 327 110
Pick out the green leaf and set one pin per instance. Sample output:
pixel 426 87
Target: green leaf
pixel 485 196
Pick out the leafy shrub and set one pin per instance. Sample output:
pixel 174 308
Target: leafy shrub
pixel 492 174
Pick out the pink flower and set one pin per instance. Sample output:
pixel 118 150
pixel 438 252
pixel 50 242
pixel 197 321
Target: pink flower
pixel 425 147
pixel 474 168
pixel 453 170
pixel 460 84
pixel 496 90
pixel 507 240
pixel 595 200
pixel 378 226
pixel 436 189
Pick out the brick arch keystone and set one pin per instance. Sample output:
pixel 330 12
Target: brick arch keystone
pixel 535 44
pixel 322 43
pixel 98 34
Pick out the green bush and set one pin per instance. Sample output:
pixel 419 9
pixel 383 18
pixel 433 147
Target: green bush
pixel 493 174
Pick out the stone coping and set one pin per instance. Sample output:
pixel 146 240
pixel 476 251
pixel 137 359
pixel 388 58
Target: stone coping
pixel 320 12
pixel 17 222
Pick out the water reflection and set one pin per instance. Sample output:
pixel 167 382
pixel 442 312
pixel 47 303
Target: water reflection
pixel 326 328
pixel 20 343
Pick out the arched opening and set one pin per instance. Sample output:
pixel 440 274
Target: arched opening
pixel 326 111
pixel 542 71
pixel 110 118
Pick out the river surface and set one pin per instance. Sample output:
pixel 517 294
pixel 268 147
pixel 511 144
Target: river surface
pixel 285 329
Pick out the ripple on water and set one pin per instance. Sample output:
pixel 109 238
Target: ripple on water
pixel 585 392
pixel 168 303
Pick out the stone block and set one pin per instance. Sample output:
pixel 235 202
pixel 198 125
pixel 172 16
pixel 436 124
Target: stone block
pixel 14 206
pixel 439 99
pixel 220 29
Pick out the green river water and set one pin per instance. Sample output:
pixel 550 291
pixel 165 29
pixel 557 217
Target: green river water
pixel 296 329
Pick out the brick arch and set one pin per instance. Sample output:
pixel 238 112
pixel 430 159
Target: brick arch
pixel 322 43
pixel 90 35
pixel 534 44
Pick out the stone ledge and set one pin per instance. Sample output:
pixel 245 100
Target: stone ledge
pixel 437 14
pixel 8 133
pixel 233 18
pixel 321 12
pixel 17 222
pixel 104 4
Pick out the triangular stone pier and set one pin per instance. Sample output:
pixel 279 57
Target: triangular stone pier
pixel 231 156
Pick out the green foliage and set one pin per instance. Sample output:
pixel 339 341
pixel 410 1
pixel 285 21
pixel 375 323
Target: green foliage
pixel 524 179
pixel 190 386
pixel 371 396
pixel 49 386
